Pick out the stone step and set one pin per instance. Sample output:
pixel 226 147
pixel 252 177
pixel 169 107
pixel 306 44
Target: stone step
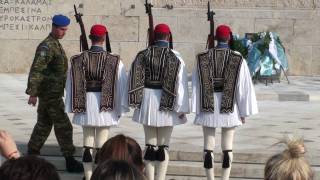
pixel 68 176
pixel 195 169
pixel 181 155
pixel 200 178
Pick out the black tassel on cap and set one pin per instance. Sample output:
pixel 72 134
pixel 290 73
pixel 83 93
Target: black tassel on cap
pixel 108 46
pixel 150 153
pixel 226 159
pixel 208 159
pixel 171 41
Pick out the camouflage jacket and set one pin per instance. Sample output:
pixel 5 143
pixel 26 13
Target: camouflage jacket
pixel 47 75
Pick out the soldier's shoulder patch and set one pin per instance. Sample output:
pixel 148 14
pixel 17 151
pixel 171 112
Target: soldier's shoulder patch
pixel 43 49
pixel 43 53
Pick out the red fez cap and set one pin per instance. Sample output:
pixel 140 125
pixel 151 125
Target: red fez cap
pixel 223 31
pixel 162 28
pixel 98 30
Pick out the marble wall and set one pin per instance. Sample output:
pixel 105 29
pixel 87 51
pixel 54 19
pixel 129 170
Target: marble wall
pixel 24 23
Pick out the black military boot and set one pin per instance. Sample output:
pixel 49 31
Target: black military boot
pixel 73 165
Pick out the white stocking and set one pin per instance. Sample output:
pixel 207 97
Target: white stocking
pixel 88 142
pixel 209 143
pixel 150 138
pixel 102 134
pixel 164 135
pixel 226 145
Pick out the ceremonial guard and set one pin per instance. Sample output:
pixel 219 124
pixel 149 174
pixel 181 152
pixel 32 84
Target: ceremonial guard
pixel 96 93
pixel 46 82
pixel 158 90
pixel 222 97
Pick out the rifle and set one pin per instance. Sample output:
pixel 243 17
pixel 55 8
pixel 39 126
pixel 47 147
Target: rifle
pixel 150 29
pixel 210 41
pixel 83 37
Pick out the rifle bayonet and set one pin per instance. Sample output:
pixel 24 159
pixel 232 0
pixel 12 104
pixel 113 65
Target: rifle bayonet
pixel 83 37
pixel 148 7
pixel 210 14
pixel 150 29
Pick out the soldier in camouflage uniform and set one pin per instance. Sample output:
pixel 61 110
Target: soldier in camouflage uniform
pixel 46 81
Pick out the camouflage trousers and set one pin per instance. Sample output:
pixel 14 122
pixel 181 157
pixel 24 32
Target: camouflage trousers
pixel 51 113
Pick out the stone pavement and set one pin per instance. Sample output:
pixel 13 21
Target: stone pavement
pixel 300 89
pixel 284 109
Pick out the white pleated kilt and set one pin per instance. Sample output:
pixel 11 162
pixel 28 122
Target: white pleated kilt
pixel 93 116
pixel 216 119
pixel 149 113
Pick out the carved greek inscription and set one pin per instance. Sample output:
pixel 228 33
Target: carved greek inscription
pixel 24 15
pixel 289 4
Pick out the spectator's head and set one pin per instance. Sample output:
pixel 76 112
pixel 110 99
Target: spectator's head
pixel 122 147
pixel 116 170
pixel 28 168
pixel 290 164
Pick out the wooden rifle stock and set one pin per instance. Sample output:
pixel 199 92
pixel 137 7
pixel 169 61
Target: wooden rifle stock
pixel 83 37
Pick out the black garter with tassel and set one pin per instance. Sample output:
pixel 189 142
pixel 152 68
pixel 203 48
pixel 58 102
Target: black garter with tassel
pixel 226 159
pixel 160 153
pixel 150 153
pixel 87 157
pixel 208 159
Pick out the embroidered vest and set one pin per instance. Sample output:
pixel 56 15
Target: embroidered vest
pixel 94 72
pixel 220 68
pixel 155 67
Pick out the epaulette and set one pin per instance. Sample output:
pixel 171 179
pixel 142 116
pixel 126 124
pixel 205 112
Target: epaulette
pixel 203 53
pixel 114 55
pixel 143 51
pixel 175 52
pixel 75 57
pixel 236 53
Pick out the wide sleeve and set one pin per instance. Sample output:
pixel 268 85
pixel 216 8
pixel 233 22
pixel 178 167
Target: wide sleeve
pixel 245 93
pixel 68 88
pixel 122 91
pixel 182 99
pixel 195 97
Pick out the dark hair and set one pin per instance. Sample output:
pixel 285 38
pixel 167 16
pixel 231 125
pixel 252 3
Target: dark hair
pixel 121 147
pixel 117 170
pixel 96 38
pixel 223 39
pixel 28 168
pixel 160 36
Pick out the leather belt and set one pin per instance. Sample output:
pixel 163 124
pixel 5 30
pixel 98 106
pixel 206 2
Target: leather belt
pixel 94 86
